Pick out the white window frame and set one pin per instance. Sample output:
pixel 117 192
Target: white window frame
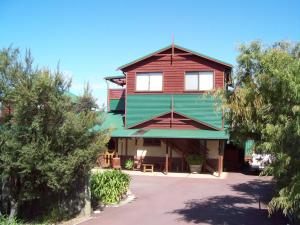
pixel 199 73
pixel 148 88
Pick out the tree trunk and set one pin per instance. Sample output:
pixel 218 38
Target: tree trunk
pixel 87 210
pixel 4 198
pixel 13 209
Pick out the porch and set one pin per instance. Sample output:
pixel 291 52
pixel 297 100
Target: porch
pixel 168 154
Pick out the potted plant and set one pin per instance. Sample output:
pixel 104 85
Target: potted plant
pixel 129 164
pixel 116 162
pixel 195 162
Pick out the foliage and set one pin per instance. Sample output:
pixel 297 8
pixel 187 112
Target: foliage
pixel 7 221
pixel 15 221
pixel 109 186
pixel 129 164
pixel 195 159
pixel 46 146
pixel 265 107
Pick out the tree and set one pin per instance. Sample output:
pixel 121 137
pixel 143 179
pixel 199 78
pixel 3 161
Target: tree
pixel 265 106
pixel 46 144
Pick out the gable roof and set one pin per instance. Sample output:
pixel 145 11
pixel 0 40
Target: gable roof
pixel 180 48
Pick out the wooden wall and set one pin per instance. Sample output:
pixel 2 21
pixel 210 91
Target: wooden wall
pixel 178 122
pixel 174 70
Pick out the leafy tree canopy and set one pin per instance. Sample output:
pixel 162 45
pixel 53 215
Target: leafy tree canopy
pixel 265 106
pixel 46 144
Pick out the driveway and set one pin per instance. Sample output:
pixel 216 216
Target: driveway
pixel 236 200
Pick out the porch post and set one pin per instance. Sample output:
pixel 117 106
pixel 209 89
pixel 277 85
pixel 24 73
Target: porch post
pixel 182 162
pixel 117 147
pixel 220 161
pixel 170 164
pixel 167 156
pixel 122 147
pixel 126 148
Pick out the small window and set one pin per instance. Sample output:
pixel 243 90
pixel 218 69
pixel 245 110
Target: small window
pixel 152 142
pixel 199 81
pixel 149 81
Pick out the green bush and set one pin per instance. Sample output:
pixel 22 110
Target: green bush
pixel 109 187
pixel 13 221
pixel 5 221
pixel 129 164
pixel 195 159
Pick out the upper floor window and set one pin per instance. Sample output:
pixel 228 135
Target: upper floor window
pixel 199 81
pixel 152 81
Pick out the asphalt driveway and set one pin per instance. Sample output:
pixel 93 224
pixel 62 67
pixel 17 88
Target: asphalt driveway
pixel 237 200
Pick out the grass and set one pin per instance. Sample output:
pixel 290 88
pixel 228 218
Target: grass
pixel 5 221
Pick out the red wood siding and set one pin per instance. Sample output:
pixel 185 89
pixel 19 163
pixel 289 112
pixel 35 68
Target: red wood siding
pixel 173 71
pixel 116 93
pixel 179 122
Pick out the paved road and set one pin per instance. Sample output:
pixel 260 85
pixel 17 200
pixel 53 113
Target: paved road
pixel 237 200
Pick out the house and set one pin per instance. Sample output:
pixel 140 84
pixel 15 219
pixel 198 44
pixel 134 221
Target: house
pixel 164 108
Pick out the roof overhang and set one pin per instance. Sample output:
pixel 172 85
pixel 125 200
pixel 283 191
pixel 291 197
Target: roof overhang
pixel 171 134
pixel 119 80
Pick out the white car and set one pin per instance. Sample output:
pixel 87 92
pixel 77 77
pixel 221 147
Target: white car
pixel 259 161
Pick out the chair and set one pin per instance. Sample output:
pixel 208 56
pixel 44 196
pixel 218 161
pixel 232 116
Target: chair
pixel 138 158
pixel 105 159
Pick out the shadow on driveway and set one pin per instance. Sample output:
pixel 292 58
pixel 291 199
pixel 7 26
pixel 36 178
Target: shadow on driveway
pixel 247 207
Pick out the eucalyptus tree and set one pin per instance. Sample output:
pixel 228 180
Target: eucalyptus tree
pixel 265 106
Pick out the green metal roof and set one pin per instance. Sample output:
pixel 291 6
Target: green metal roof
pixel 199 107
pixel 71 95
pixel 114 122
pixel 178 47
pixel 117 104
pixel 249 147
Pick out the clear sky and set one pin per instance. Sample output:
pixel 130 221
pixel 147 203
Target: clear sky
pixel 91 39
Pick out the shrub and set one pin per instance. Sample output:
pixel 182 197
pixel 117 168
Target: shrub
pixel 109 187
pixel 195 159
pixel 129 164
pixel 13 221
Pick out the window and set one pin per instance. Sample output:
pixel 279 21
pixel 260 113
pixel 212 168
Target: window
pixel 199 81
pixel 149 82
pixel 152 142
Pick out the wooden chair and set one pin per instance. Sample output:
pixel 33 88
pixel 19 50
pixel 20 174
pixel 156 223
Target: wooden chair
pixel 105 159
pixel 138 158
pixel 137 162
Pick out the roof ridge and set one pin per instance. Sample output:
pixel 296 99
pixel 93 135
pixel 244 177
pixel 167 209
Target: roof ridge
pixel 180 48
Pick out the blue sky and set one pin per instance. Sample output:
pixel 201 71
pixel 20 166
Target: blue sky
pixel 91 39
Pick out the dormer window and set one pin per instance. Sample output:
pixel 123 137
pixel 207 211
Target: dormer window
pixel 199 81
pixel 151 81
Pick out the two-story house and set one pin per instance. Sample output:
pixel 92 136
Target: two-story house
pixel 164 108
